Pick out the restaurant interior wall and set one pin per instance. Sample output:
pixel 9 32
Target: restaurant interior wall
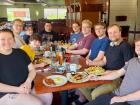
pixel 126 8
pixel 138 20
pixel 78 10
pixel 36 10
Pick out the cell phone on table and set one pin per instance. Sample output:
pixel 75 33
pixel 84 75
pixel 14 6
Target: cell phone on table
pixel 60 70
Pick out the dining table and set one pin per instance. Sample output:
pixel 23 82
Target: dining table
pixel 41 88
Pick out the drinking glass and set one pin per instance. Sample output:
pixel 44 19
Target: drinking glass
pixel 74 63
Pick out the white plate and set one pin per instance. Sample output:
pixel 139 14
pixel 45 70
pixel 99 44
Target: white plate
pixel 69 77
pixel 58 79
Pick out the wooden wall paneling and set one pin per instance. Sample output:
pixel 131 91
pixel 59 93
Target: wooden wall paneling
pixel 93 1
pixel 91 7
pixel 93 16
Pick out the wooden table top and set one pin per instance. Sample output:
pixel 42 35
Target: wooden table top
pixel 41 88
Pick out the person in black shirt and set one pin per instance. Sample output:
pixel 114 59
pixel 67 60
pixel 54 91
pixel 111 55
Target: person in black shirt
pixel 48 35
pixel 117 53
pixel 16 74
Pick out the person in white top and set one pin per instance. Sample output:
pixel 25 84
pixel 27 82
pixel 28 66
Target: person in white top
pixel 17 28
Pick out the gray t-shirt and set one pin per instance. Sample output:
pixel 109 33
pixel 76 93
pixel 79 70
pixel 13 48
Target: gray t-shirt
pixel 131 81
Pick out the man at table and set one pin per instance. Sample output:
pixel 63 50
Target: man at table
pixel 100 44
pixel 129 91
pixel 17 28
pixel 97 50
pixel 116 55
pixel 48 34
pixel 82 46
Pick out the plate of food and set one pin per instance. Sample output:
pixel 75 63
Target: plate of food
pixel 37 53
pixel 54 80
pixel 43 59
pixel 78 77
pixel 66 45
pixel 96 70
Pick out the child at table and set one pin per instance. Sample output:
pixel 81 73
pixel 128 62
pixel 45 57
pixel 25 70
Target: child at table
pixel 35 43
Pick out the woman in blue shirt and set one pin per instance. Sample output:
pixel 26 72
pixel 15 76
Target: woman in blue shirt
pixel 76 33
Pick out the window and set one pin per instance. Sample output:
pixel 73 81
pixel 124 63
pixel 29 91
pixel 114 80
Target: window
pixel 61 13
pixel 55 13
pixel 21 13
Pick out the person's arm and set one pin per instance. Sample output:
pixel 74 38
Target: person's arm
pixel 20 89
pixel 72 47
pixel 97 62
pixel 100 56
pixel 102 50
pixel 79 52
pixel 7 88
pixel 112 75
pixel 130 97
pixel 12 89
pixel 87 57
pixel 40 65
pixel 27 84
pixel 32 73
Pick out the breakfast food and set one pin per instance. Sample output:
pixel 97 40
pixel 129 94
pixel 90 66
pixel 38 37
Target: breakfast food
pixel 78 77
pixel 58 80
pixel 54 80
pixel 50 81
pixel 40 60
pixel 95 70
pixel 66 45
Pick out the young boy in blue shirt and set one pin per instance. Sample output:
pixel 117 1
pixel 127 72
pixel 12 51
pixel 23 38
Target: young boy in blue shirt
pixel 99 44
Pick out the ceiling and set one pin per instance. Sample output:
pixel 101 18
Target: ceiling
pixel 47 2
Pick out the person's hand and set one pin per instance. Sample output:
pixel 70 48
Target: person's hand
pixel 68 51
pixel 93 77
pixel 25 88
pixel 107 72
pixel 117 99
pixel 43 64
pixel 21 90
pixel 89 62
